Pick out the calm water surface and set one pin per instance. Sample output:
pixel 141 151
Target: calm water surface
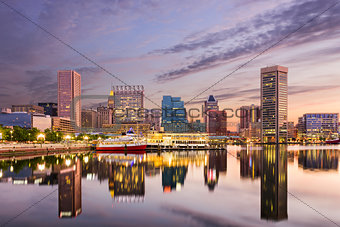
pixel 243 186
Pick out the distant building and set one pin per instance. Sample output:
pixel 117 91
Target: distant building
pixel 173 114
pixel 104 116
pixel 69 190
pixel 50 108
pixel 318 125
pixel 61 124
pixel 5 110
pixel 21 119
pixel 250 122
pixel 217 123
pixel 69 90
pixel 28 109
pixel 154 120
pixel 292 130
pixel 89 119
pixel 197 126
pixel 41 122
pixel 274 104
pixel 120 128
pixel 210 104
pixel 127 102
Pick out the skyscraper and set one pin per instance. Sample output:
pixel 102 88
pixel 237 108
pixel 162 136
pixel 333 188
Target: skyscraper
pixel 274 102
pixel 69 88
pixel 173 114
pixel 216 123
pixel 127 101
pixel 250 122
pixel 210 104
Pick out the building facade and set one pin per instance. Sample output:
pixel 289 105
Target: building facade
pixel 104 116
pixel 69 92
pixel 250 122
pixel 50 108
pixel 28 109
pixel 210 104
pixel 127 102
pixel 21 119
pixel 173 115
pixel 217 123
pixel 274 104
pixel 61 124
pixel 89 119
pixel 318 125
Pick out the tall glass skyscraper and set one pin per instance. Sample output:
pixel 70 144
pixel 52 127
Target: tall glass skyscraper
pixel 69 88
pixel 173 114
pixel 274 103
pixel 210 104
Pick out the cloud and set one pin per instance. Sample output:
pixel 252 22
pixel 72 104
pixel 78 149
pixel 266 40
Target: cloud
pixel 253 36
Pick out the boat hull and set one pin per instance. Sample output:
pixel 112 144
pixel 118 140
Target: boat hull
pixel 333 141
pixel 138 149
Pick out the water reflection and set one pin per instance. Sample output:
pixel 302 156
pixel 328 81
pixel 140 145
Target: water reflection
pixel 318 159
pixel 250 163
pixel 274 183
pixel 216 163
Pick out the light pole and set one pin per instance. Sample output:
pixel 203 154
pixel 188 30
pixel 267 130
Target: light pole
pixel 11 135
pixel 41 137
pixel 29 136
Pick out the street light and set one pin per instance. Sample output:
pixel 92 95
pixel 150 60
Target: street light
pixel 41 137
pixel 11 135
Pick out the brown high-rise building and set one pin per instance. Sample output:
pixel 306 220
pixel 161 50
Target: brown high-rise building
pixel 210 104
pixel 217 123
pixel 69 92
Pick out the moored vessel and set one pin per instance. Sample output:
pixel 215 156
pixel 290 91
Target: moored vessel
pixel 128 144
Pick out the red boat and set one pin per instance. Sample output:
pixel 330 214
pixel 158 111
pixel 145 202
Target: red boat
pixel 336 141
pixel 129 144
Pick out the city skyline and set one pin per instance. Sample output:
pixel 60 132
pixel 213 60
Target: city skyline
pixel 182 55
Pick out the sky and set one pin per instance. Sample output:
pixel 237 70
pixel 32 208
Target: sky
pixel 178 48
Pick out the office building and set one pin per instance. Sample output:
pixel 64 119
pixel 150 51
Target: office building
pixel 318 125
pixel 28 109
pixel 216 123
pixel 173 115
pixel 89 119
pixel 104 116
pixel 61 124
pixel 292 130
pixel 50 108
pixel 250 122
pixel 127 103
pixel 41 122
pixel 274 104
pixel 69 92
pixel 210 104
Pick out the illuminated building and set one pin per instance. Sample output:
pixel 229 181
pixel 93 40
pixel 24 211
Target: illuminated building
pixel 215 164
pixel 89 119
pixel 318 159
pixel 318 125
pixel 126 182
pixel 274 104
pixel 180 140
pixel 292 130
pixel 60 124
pixel 41 122
pixel 250 122
pixel 125 127
pixel 69 191
pixel 50 108
pixel 28 109
pixel 126 102
pixel 217 123
pixel 173 115
pixel 69 92
pixel 250 164
pixel 104 116
pixel 274 183
pixel 210 104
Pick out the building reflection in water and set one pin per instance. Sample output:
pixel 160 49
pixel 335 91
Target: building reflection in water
pixel 318 159
pixel 274 183
pixel 215 164
pixel 69 189
pixel 250 163
pixel 126 181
